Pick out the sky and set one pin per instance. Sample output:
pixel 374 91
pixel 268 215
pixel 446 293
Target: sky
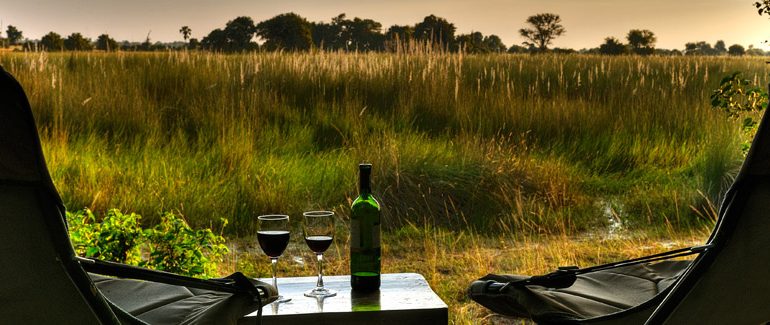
pixel 588 22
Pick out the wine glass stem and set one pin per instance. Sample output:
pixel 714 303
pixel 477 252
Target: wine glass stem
pixel 320 283
pixel 274 261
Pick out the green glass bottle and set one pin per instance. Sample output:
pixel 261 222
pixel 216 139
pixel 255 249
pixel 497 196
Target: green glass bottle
pixel 365 236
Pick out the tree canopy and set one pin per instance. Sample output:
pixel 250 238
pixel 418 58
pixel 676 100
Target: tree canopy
pixel 400 33
pixel 286 32
pixel 736 50
pixel 699 48
pixel 544 28
pixel 642 41
pixel 236 36
pixel 362 35
pixel 105 43
pixel 720 47
pixel 13 34
pixel 355 34
pixel 52 42
pixel 612 46
pixel 476 42
pixel 186 32
pixel 76 42
pixel 239 32
pixel 435 30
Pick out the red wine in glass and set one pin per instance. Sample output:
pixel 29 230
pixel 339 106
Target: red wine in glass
pixel 273 242
pixel 318 244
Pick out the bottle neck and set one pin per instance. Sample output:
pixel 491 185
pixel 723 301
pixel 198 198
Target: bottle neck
pixel 364 182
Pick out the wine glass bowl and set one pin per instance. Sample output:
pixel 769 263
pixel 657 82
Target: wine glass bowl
pixel 273 237
pixel 318 230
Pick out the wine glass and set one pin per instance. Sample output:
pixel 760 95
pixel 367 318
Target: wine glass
pixel 318 229
pixel 273 237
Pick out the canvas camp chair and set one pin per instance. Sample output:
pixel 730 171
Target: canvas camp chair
pixel 42 281
pixel 730 283
pixel 726 283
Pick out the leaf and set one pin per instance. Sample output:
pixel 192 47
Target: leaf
pixel 92 251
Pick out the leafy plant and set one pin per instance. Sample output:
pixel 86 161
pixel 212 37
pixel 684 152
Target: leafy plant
pixel 737 96
pixel 175 247
pixel 116 238
pixel 171 245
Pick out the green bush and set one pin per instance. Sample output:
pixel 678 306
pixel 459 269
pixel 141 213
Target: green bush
pixel 170 246
pixel 739 98
pixel 175 247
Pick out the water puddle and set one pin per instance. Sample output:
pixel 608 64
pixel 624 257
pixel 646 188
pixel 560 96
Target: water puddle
pixel 612 212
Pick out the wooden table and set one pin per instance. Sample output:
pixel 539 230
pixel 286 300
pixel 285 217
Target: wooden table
pixel 404 298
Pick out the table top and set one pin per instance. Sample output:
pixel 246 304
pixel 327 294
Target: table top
pixel 403 297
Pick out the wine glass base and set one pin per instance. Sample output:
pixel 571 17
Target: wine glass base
pixel 320 292
pixel 281 299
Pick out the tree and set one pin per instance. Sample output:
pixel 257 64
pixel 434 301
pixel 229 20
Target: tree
pixel 236 36
pixel 698 48
pixel 325 36
pixel 193 44
pixel 52 42
pixel 240 31
pixel 493 43
pixel 754 51
pixel 475 42
pixel 350 35
pixel 719 47
pixel 518 49
pixel 612 46
pixel 13 34
pixel 76 42
pixel 215 40
pixel 105 43
pixel 362 34
pixel 545 28
pixel 287 31
pixel 470 43
pixel 736 50
pixel 400 33
pixel 435 30
pixel 185 31
pixel 398 36
pixel 147 44
pixel 642 41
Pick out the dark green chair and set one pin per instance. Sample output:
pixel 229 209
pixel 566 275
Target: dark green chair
pixel 730 283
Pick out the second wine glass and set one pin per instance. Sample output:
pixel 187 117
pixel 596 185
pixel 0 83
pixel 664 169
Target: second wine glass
pixel 318 229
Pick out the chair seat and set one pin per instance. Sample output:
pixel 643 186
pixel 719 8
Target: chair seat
pixel 159 303
pixel 593 295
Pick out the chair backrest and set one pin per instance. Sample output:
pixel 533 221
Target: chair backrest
pixel 40 281
pixel 729 284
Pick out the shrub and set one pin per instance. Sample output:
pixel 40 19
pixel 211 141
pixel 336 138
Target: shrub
pixel 738 97
pixel 170 246
pixel 175 247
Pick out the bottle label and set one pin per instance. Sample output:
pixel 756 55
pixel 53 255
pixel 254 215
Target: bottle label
pixel 355 234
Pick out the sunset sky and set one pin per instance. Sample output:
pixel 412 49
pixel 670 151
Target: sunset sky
pixel 588 22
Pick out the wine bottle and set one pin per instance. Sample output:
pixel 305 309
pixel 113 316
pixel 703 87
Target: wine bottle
pixel 365 236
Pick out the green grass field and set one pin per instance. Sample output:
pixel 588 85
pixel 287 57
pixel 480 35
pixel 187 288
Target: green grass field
pixel 536 161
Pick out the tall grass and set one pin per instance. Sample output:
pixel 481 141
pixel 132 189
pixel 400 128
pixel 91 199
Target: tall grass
pixel 478 158
pixel 514 141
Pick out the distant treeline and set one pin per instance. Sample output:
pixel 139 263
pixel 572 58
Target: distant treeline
pixel 292 32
